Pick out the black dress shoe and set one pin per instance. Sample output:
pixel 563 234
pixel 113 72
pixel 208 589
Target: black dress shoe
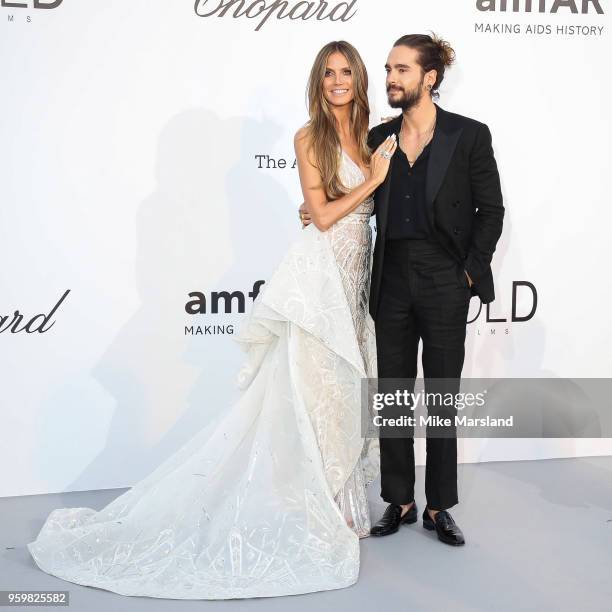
pixel 392 519
pixel 448 531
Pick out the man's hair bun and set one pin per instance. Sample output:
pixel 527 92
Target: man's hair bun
pixel 434 54
pixel 447 53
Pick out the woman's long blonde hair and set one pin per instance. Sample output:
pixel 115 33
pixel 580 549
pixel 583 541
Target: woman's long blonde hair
pixel 322 129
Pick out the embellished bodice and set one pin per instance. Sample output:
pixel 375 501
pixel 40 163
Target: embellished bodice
pixel 351 240
pixel 351 176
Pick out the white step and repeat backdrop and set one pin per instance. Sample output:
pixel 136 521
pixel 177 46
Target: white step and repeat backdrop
pixel 146 166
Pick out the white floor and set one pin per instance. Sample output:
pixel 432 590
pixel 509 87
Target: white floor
pixel 538 537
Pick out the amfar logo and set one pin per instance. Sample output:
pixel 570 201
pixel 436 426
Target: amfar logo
pixel 224 301
pixel 200 304
pixel 281 9
pixel 37 4
pixel 541 6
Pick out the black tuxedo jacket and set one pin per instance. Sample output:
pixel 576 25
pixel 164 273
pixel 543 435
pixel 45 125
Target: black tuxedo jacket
pixel 464 199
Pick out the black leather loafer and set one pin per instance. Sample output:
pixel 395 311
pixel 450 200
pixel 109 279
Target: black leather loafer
pixel 392 519
pixel 448 531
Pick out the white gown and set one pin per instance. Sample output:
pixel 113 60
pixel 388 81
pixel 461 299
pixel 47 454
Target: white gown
pixel 270 499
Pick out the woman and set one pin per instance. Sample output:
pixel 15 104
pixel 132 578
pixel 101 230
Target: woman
pixel 271 499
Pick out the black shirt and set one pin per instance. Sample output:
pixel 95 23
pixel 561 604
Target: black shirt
pixel 407 198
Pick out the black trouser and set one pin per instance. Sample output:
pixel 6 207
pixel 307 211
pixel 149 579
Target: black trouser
pixel 424 294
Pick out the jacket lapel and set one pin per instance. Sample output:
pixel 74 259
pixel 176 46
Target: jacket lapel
pixel 443 146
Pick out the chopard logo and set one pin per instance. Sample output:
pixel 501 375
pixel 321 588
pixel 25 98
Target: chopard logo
pixel 40 323
pixel 539 6
pixel 262 10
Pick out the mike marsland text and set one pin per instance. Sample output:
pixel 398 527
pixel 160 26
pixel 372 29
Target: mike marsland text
pixel 438 421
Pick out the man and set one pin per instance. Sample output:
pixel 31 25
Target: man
pixel 439 215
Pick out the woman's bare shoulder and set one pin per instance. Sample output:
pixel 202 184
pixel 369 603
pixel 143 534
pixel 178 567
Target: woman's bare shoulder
pixel 302 143
pixel 302 136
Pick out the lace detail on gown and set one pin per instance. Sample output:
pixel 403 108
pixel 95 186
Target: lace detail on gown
pixel 258 503
pixel 351 239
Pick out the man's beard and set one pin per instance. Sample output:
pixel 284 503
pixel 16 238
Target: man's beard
pixel 409 100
